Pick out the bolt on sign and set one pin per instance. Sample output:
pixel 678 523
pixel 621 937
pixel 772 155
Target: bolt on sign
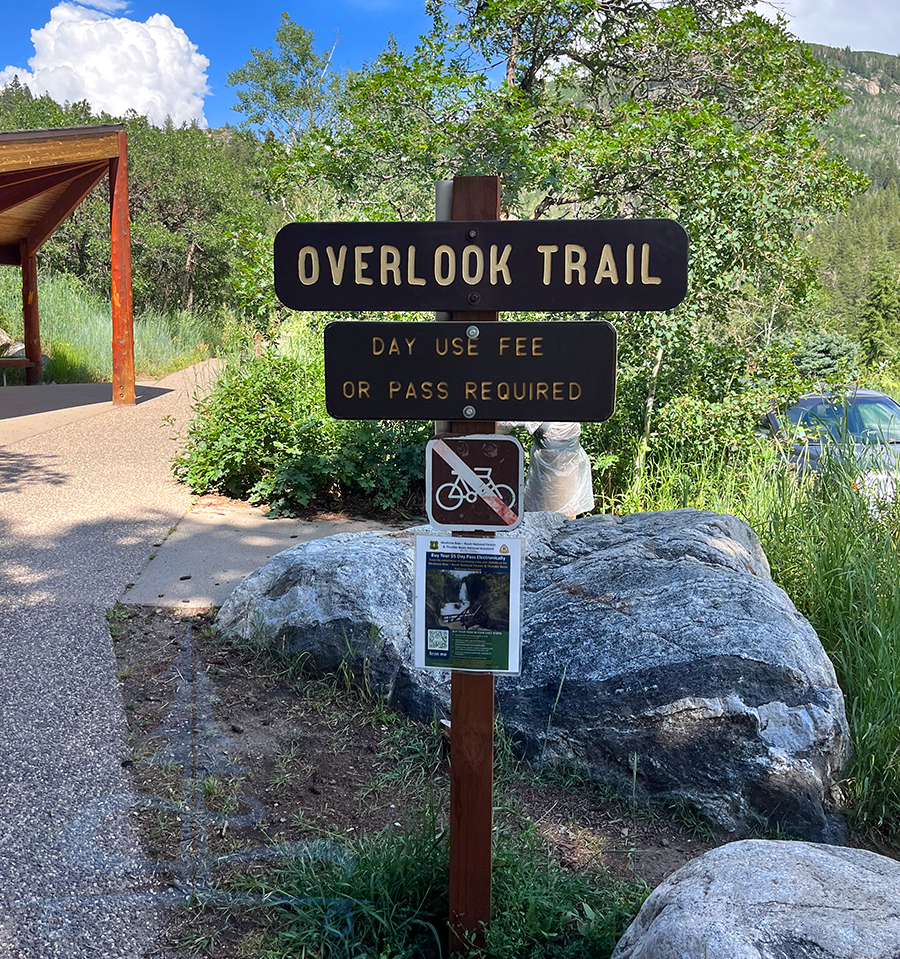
pixel 554 265
pixel 474 482
pixel 467 602
pixel 485 370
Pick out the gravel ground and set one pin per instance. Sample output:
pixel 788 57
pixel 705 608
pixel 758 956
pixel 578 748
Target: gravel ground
pixel 81 505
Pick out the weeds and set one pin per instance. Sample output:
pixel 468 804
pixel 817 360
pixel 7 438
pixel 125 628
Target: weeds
pixel 417 758
pixel 397 894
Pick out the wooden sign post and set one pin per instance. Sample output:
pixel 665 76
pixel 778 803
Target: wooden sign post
pixel 442 370
pixel 472 694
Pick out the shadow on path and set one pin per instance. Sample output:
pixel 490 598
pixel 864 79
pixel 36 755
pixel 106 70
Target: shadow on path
pixel 55 397
pixel 18 470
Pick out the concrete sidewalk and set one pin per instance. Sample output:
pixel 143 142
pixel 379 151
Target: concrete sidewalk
pixel 86 499
pixel 215 545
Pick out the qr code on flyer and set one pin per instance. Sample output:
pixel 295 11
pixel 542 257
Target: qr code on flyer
pixel 438 639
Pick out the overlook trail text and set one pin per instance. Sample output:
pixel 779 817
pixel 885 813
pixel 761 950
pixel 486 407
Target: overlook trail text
pixel 509 265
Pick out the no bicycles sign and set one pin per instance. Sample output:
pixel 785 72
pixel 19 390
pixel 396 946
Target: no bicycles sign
pixel 474 482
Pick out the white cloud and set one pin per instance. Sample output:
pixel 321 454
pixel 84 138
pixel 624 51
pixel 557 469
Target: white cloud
pixel 117 64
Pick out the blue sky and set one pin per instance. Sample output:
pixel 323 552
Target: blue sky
pixel 223 33
pixel 173 56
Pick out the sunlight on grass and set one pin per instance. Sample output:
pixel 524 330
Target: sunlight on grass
pixel 76 332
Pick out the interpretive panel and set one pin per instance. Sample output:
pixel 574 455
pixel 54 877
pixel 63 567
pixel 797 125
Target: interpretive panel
pixel 468 596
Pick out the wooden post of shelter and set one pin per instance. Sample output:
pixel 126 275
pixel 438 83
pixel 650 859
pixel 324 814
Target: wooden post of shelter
pixel 120 253
pixel 472 694
pixel 34 374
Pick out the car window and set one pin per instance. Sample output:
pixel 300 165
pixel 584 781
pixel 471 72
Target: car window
pixel 881 416
pixel 864 418
pixel 818 416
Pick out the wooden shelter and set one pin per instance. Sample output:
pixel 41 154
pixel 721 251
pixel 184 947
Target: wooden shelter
pixel 44 176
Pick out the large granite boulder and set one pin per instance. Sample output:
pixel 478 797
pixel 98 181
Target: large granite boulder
pixel 658 656
pixel 764 899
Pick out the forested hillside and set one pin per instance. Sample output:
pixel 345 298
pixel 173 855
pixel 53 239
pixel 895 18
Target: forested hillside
pixel 867 129
pixel 858 251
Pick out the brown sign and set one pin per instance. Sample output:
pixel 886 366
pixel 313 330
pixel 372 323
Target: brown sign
pixel 474 482
pixel 513 265
pixel 479 370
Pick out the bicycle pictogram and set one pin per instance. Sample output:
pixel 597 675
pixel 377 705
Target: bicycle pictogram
pixel 452 495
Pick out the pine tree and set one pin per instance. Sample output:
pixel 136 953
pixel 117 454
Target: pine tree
pixel 880 316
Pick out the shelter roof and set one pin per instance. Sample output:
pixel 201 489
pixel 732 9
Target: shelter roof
pixel 44 176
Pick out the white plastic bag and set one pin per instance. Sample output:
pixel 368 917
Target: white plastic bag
pixel 559 471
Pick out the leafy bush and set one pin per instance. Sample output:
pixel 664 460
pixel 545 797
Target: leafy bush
pixel 706 407
pixel 379 461
pixel 256 418
pixel 263 434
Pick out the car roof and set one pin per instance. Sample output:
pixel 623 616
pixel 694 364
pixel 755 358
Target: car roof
pixel 850 391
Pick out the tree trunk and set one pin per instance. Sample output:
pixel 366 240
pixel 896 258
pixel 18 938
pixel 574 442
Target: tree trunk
pixel 513 60
pixel 189 268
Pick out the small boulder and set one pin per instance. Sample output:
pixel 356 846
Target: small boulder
pixel 658 657
pixel 765 899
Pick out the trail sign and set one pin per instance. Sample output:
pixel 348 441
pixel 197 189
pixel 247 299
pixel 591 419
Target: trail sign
pixel 557 265
pixel 483 370
pixel 474 482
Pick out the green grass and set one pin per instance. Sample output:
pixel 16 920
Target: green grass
pixel 398 883
pixel 76 332
pixel 837 558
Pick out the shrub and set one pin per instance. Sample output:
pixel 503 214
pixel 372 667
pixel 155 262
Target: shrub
pixel 263 434
pixel 255 419
pixel 379 461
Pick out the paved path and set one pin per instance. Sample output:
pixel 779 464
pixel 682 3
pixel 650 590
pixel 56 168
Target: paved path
pixel 85 491
pixel 90 514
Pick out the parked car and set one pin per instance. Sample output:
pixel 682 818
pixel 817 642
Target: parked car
pixel 864 424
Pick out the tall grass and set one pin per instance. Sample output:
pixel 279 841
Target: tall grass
pixel 834 550
pixel 76 332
